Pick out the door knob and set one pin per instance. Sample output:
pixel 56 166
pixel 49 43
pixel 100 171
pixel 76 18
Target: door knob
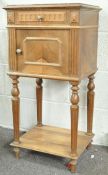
pixel 18 51
pixel 40 18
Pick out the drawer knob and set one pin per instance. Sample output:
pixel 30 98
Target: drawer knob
pixel 40 18
pixel 18 51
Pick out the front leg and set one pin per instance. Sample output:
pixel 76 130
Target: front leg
pixel 15 110
pixel 74 109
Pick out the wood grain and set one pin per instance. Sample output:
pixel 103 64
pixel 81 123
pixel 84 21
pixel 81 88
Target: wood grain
pixel 90 104
pixel 74 108
pixel 12 50
pixel 58 5
pixel 88 51
pixel 40 17
pixel 39 101
pixel 11 17
pixel 15 107
pixel 43 52
pixel 52 140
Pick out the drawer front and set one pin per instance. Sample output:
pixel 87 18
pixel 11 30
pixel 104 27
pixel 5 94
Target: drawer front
pixel 40 17
pixel 44 52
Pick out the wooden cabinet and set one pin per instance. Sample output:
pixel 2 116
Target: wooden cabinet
pixel 55 41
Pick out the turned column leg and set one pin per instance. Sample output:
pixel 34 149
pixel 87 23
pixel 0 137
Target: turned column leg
pixel 39 101
pixel 74 109
pixel 90 104
pixel 15 110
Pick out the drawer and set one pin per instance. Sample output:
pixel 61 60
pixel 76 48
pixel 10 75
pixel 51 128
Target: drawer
pixel 44 52
pixel 43 17
pixel 40 17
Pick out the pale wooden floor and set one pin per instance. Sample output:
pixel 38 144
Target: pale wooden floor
pixel 34 163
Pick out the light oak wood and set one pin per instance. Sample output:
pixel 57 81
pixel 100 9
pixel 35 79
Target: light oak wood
pixel 74 108
pixel 52 140
pixel 53 6
pixel 15 109
pixel 54 41
pixel 48 56
pixel 51 26
pixel 40 17
pixel 12 50
pixel 90 104
pixel 39 101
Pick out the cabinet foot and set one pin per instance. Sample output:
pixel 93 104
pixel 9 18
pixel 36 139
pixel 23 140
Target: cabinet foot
pixel 39 124
pixel 89 145
pixel 72 165
pixel 17 152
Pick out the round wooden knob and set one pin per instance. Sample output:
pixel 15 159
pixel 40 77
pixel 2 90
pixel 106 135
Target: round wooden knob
pixel 40 18
pixel 18 51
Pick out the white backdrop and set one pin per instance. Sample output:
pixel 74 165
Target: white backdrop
pixel 56 93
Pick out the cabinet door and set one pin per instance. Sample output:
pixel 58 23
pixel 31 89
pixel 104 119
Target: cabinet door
pixel 44 52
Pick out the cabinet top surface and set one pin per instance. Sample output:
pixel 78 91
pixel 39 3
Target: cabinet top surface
pixel 62 5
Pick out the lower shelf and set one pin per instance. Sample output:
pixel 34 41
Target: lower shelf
pixel 52 140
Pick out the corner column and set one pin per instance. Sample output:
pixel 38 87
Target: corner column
pixel 15 109
pixel 74 109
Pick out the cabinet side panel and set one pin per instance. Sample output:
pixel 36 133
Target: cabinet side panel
pixel 88 41
pixel 89 17
pixel 88 50
pixel 12 50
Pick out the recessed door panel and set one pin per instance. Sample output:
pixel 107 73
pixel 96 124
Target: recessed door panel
pixel 43 51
